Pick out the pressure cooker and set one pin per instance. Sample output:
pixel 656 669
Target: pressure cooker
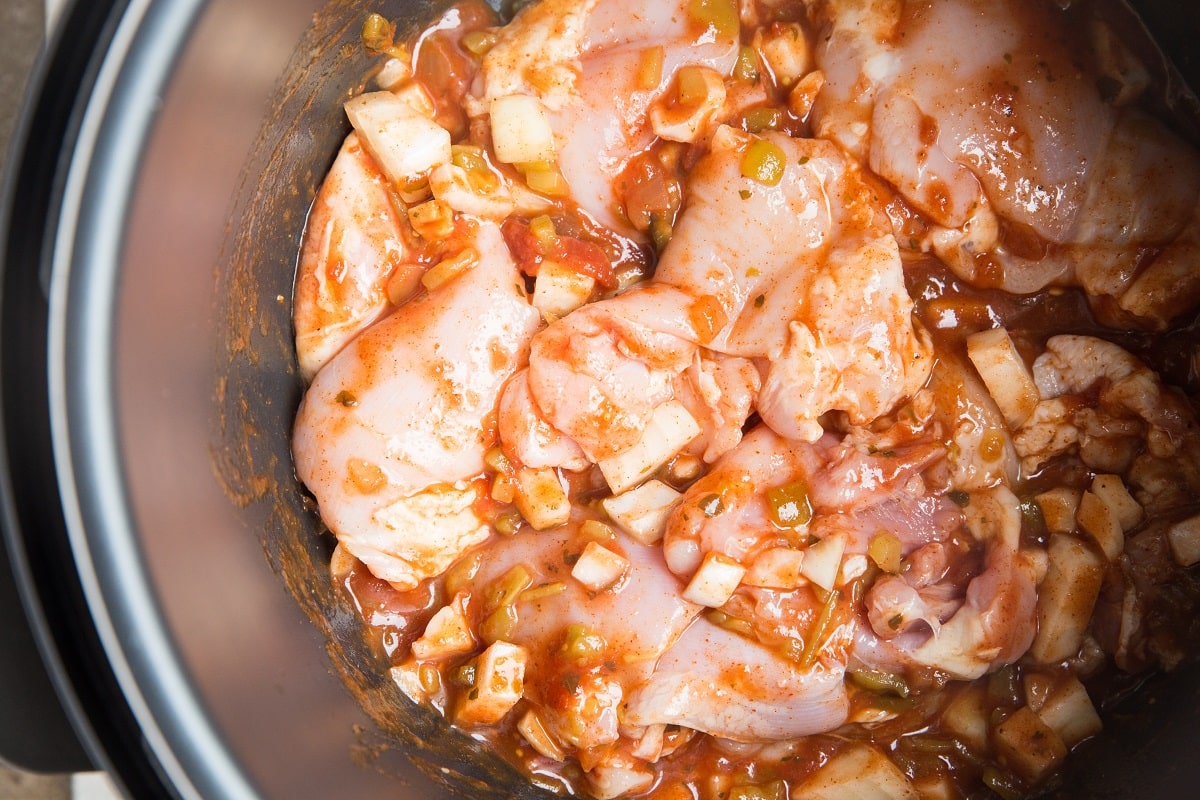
pixel 176 623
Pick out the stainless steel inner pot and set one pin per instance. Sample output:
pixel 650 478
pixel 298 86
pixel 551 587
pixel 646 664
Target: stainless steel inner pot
pixel 168 559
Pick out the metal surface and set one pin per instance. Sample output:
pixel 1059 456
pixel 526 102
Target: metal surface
pixel 220 668
pixel 200 665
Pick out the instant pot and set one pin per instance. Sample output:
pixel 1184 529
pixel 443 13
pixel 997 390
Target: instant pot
pixel 171 573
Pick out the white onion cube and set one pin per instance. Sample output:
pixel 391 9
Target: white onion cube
pixel 715 581
pixel 857 772
pixel 1101 522
pixel 558 290
pixel 642 512
pixel 404 143
pixel 521 131
pixel 1004 373
pixel 785 49
pixel 823 560
pixel 1111 489
pixel 670 428
pixel 447 633
pixel 1066 599
pixel 1058 507
pixel 1184 539
pixel 499 685
pixel 599 568
pixel 541 498
pixel 777 568
pixel 1070 713
pixel 539 739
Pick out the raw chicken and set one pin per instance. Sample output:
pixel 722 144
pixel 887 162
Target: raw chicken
pixel 580 57
pixel 986 117
pixel 631 401
pixel 824 309
pixel 993 625
pixel 393 428
pixel 721 683
pixel 354 247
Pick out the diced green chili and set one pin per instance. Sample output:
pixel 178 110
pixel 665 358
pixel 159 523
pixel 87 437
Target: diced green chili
pixel 723 620
pixel 886 551
pixel 762 119
pixel 477 43
pixel 463 676
pixel 509 522
pixel 819 629
pixel 879 682
pixel 746 66
pixel 581 645
pixel 775 790
pixel 788 506
pixel 660 230
pixel 764 162
pixel 500 625
pixel 933 745
pixel 711 505
pixel 1004 686
pixel 542 592
pixel 793 649
pixel 504 590
pixel 722 15
pixel 377 33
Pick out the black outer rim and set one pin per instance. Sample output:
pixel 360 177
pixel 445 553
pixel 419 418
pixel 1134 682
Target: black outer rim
pixel 35 529
pixel 33 522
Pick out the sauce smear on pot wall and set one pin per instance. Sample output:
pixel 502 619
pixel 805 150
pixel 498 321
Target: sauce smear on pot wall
pixel 762 399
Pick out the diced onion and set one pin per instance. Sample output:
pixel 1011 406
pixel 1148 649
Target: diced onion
pixel 1184 539
pixel 1101 522
pixel 1066 599
pixel 447 633
pixel 1058 507
pixel 541 498
pixel 823 560
pixel 785 50
pixel 642 512
pixel 776 568
pixel 1111 489
pixel 1004 373
pixel 599 568
pixel 521 130
pixel 499 684
pixel 715 581
pixel 670 428
pixel 558 290
pixel 1028 746
pixel 1070 712
pixel 403 142
pixel 858 771
pixel 393 72
pixel 535 733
